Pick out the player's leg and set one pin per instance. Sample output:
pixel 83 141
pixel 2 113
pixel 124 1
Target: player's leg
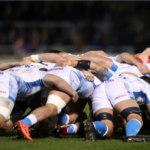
pixel 71 112
pixel 8 92
pixel 103 113
pixel 56 101
pixel 131 112
pixel 125 106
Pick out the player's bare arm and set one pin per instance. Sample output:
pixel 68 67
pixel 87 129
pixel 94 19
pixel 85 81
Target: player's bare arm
pixel 10 64
pixel 86 64
pixel 144 56
pixel 130 59
pixel 98 52
pixel 47 57
pixel 52 80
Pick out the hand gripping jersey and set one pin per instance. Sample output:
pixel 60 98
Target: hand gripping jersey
pixel 122 68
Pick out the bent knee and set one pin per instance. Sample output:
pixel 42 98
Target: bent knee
pixel 52 108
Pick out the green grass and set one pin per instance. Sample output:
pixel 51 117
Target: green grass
pixel 9 142
pixel 68 143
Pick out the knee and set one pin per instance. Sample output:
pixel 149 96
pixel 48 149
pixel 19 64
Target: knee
pixel 132 113
pixel 56 103
pixel 51 108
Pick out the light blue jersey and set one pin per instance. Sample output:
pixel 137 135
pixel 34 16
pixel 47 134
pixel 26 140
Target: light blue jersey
pixel 30 80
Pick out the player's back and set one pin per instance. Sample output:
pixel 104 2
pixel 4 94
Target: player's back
pixel 136 86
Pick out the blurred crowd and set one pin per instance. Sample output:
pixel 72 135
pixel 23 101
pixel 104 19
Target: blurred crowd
pixel 74 23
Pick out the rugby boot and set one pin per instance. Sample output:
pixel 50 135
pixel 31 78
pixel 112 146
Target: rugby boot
pixel 60 131
pixel 24 129
pixel 90 132
pixel 135 139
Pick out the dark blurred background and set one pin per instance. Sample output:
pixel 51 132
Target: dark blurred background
pixel 76 27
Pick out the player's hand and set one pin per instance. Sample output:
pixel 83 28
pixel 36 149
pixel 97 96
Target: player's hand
pixel 62 64
pixel 88 75
pixel 143 68
pixel 75 96
pixel 26 61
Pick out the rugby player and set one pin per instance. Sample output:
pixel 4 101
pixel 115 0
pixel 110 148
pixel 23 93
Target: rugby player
pixel 57 99
pixel 109 112
pixel 26 86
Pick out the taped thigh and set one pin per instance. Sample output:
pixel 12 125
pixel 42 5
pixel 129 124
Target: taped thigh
pixel 6 106
pixel 57 101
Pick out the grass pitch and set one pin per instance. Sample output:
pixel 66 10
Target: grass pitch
pixel 9 142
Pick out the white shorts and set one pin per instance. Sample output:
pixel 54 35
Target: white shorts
pixel 117 91
pixel 99 99
pixel 8 86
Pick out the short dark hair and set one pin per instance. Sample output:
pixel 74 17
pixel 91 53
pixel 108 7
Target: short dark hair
pixel 54 51
pixel 146 79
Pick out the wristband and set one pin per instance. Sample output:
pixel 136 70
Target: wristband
pixel 35 58
pixel 84 64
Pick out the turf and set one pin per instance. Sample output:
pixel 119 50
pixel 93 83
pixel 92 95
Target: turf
pixel 68 143
pixel 9 142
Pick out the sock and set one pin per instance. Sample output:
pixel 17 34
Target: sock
pixel 63 119
pixel 30 120
pixel 72 128
pixel 100 128
pixel 133 127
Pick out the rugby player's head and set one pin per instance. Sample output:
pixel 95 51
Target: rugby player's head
pixel 54 51
pixel 146 79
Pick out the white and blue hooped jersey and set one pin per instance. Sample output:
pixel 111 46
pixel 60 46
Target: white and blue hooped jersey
pixel 35 65
pixel 136 88
pixel 118 68
pixel 75 79
pixel 141 90
pixel 30 80
pixel 12 86
pixel 21 81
